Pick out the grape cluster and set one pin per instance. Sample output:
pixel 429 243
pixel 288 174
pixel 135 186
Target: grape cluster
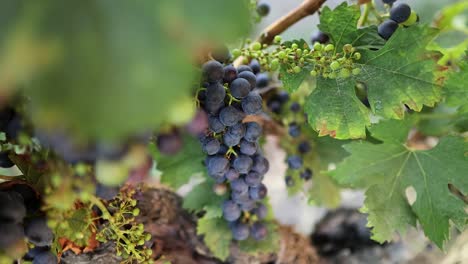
pixel 234 158
pixel 399 14
pixel 19 218
pixel 280 104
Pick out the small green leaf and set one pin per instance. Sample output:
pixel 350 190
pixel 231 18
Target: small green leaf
pixel 292 81
pixel 216 234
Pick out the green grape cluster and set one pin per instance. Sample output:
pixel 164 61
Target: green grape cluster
pixel 323 59
pixel 121 227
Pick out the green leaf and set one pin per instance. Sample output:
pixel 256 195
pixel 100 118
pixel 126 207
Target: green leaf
pixel 324 191
pixel 456 89
pixel 292 81
pixel 202 196
pixel 115 67
pixel 334 109
pixel 178 169
pixel 387 170
pixel 216 234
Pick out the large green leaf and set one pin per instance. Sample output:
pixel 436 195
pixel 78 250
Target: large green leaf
pixel 388 170
pixel 217 235
pixel 109 68
pixel 202 197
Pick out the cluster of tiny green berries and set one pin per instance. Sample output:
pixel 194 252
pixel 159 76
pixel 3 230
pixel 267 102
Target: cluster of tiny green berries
pixel 323 59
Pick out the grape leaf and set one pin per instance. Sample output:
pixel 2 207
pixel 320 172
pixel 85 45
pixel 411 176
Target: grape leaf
pixel 216 234
pixel 202 196
pixel 178 169
pixel 291 82
pixel 386 170
pixel 456 91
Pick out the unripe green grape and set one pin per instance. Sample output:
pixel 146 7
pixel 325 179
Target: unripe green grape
pixel 356 71
pixel 297 69
pixel 329 47
pixel 274 64
pixel 335 65
pixel 318 46
pixel 256 46
pixel 141 242
pixel 149 252
pixel 148 237
pixel 313 73
pixel 345 73
pixel 332 75
pixel 133 203
pixel 298 52
pixel 294 46
pixel 357 56
pixel 236 53
pixel 413 18
pixel 325 75
pixel 323 59
pixel 281 54
pixel 136 212
pixel 277 39
pixel 347 48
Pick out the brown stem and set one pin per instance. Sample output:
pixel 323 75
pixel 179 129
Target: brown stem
pixel 308 7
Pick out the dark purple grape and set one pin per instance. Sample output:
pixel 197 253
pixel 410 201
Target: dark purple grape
pixel 37 232
pixel 215 124
pixel 294 130
pixel 29 195
pixel 240 88
pixel 231 175
pixel 12 207
pixel 295 107
pixel 241 197
pixel 320 37
pixel 5 161
pixel 252 104
pixel 253 179
pixel 231 140
pixel 230 74
pixel 242 164
pixel 258 231
pixel 253 131
pixel 221 54
pixel 213 108
pixel 217 166
pixel 255 66
pixel 211 145
pixel 33 252
pixel 261 165
pixel 274 106
pixel 258 192
pixel 231 211
pixel 223 149
pixel 198 124
pixel 304 147
pixel 294 162
pixel 388 2
pixel 215 93
pixel 289 181
pixel 45 257
pixel 263 9
pixel 213 71
pixel 400 13
pixel 238 129
pixel 243 68
pixel 387 28
pixel 250 77
pixel 240 231
pixel 14 127
pixel 306 174
pixel 230 116
pixel 248 148
pixel 169 143
pixel 283 97
pixel 248 205
pixel 263 80
pixel 11 233
pixel 239 185
pixel 260 211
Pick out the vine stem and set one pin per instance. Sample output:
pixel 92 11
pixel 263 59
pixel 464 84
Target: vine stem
pixel 365 14
pixel 307 8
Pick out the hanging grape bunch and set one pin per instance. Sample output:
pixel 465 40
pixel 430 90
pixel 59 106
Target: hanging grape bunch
pixel 235 160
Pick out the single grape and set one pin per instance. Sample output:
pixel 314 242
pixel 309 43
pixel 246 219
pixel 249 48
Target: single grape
pixel 306 174
pixel 33 252
pixel 262 80
pixel 274 106
pixel 5 161
pixel 240 231
pixel 169 143
pixel 230 116
pixel 240 197
pixel 294 130
pixel 294 162
pixel 231 140
pixel 303 147
pixel 237 130
pixel 230 74
pixel 248 148
pixel 211 145
pixel 37 232
pixel 46 257
pixel 243 68
pixel 253 179
pixel 263 9
pixel 261 164
pixel 231 211
pixel 213 71
pixel 255 66
pixel 283 97
pixel 258 231
pixel 242 164
pixel 253 131
pixel 320 37
pixel 14 127
pixel 400 13
pixel 239 185
pixel 289 181
pixel 387 28
pixel 252 104
pixel 231 175
pixel 260 211
pixel 215 124
pixel 221 54
pixel 258 192
pixel 295 107
pixel 11 233
pixel 247 205
pixel 29 195
pixel 250 77
pixel 240 88
pixel 12 207
pixel 215 93
pixel 217 165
